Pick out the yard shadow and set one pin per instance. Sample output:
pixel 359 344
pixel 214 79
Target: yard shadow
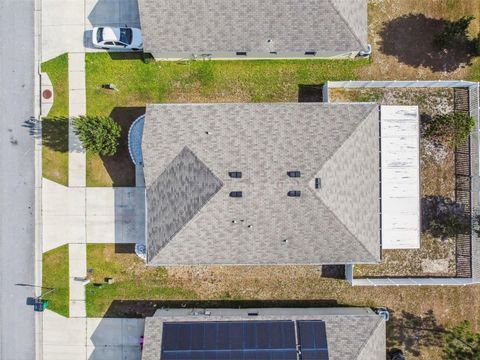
pixel 120 166
pixel 410 39
pixel 443 217
pixel 413 332
pixel 146 308
pixel 55 133
pixel 310 93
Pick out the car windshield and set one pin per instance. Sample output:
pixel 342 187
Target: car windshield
pixel 126 35
pixel 100 35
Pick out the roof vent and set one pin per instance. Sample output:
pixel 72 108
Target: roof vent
pixel 207 132
pixel 241 53
pixel 235 174
pixel 236 194
pixel 294 173
pixel 310 53
pixel 294 193
pixel 318 183
pixel 250 226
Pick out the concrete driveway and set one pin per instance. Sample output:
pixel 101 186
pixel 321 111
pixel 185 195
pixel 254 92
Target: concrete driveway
pixel 92 215
pixel 91 338
pixel 67 24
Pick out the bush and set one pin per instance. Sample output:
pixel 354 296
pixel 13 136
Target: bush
pixel 98 134
pixel 450 129
pixel 453 31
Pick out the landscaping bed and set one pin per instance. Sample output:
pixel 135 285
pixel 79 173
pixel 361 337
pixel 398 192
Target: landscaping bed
pixel 55 275
pixel 436 256
pixel 55 125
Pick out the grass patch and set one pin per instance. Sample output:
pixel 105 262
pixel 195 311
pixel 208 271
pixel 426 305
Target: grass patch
pixel 55 275
pixel 132 279
pixel 55 126
pixel 139 84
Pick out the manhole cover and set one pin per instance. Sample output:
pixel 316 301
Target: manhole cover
pixel 47 94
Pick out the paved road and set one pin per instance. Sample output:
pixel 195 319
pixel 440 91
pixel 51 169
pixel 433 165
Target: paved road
pixel 17 340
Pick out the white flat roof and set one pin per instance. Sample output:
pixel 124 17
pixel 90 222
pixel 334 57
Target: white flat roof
pixel 400 167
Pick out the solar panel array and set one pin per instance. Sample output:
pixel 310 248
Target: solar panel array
pixel 313 339
pixel 243 340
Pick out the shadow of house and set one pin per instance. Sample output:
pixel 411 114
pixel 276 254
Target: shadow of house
pixel 410 39
pixel 120 166
pixel 115 13
pixel 114 338
pixel 310 93
pixel 146 308
pixel 413 332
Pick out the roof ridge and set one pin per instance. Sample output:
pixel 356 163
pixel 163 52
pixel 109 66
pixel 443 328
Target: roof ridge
pixel 367 339
pixel 195 214
pixel 346 23
pixel 374 107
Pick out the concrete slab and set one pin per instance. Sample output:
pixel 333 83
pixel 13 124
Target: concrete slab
pixel 114 332
pixel 62 12
pixel 61 200
pixel 111 13
pixel 62 352
pixel 57 40
pixel 60 230
pixel 77 79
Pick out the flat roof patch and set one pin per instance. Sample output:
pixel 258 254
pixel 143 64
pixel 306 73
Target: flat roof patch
pixel 400 168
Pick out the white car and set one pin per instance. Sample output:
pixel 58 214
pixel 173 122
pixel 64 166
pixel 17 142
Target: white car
pixel 117 38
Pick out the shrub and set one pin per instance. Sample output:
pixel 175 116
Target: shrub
pixel 450 129
pixel 99 134
pixel 462 343
pixel 453 31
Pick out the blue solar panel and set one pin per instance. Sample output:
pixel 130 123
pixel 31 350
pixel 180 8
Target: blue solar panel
pixel 229 340
pixel 313 339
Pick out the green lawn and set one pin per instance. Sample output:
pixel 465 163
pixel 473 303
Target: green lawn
pixel 132 280
pixel 55 275
pixel 55 125
pixel 139 84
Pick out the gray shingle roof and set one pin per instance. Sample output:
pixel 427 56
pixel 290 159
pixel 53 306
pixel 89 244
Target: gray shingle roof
pixel 230 26
pixel 338 223
pixel 351 334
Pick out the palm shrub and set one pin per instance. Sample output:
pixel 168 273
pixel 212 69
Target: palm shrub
pixel 450 129
pixel 98 134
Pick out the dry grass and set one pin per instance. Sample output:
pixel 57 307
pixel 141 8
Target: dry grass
pixel 413 39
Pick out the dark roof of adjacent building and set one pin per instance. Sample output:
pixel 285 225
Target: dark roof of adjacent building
pixel 352 333
pixel 254 25
pixel 189 150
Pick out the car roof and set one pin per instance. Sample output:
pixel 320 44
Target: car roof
pixel 111 34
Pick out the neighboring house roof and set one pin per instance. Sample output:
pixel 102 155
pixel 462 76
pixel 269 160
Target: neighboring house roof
pixel 352 333
pixel 189 150
pixel 254 25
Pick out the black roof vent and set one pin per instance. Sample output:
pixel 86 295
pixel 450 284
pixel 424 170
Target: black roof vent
pixel 241 53
pixel 235 174
pixel 236 194
pixel 294 173
pixel 294 193
pixel 311 53
pixel 318 183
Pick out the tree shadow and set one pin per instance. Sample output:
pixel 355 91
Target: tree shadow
pixel 55 133
pixel 410 39
pixel 443 217
pixel 120 166
pixel 413 332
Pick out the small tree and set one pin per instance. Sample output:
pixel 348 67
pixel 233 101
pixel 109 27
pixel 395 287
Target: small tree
pixel 99 134
pixel 462 343
pixel 453 31
pixel 450 129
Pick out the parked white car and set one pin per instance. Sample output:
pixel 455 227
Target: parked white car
pixel 117 38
